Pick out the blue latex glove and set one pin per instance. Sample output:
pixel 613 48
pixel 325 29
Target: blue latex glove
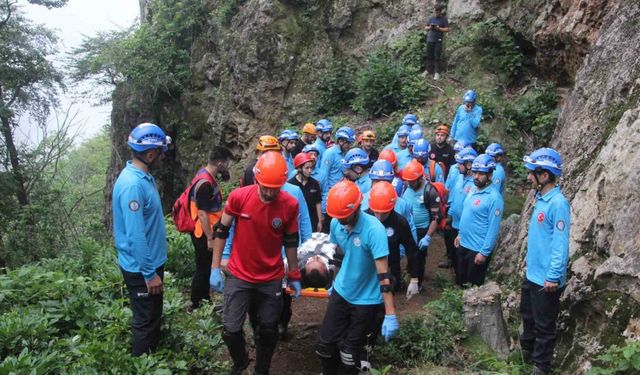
pixel 330 291
pixel 215 280
pixel 296 287
pixel 390 327
pixel 424 242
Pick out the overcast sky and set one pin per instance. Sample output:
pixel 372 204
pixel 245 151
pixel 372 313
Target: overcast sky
pixel 78 18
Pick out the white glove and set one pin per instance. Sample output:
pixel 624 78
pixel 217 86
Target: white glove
pixel 412 289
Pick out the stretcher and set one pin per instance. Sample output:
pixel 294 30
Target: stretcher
pixel 311 292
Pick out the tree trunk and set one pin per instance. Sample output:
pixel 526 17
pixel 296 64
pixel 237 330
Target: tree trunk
pixel 483 315
pixel 16 168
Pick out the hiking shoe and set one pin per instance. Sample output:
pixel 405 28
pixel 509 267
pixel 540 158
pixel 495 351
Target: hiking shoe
pixel 239 370
pixel 365 366
pixel 526 356
pixel 538 371
pixel 436 76
pixel 445 263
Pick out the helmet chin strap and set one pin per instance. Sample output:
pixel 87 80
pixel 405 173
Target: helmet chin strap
pixel 148 164
pixel 539 185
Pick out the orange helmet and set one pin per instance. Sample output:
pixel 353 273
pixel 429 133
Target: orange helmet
pixel 382 197
pixel 369 134
pixel 388 155
pixel 301 159
pixel 268 143
pixel 413 171
pixel 309 128
pixel 344 199
pixel 442 128
pixel 271 170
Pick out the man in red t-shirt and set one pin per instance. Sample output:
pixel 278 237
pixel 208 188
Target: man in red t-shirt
pixel 265 220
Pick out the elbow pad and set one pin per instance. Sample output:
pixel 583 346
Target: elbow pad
pixel 220 230
pixel 392 282
pixel 291 239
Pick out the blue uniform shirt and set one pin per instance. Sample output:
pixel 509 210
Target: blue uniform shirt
pixel 454 172
pixel 138 223
pixel 402 207
pixel 461 188
pixel 498 178
pixel 322 147
pixel 331 171
pixel 480 221
pixel 291 171
pixel 357 281
pixel 438 172
pixel 364 183
pixel 548 241
pixel 465 124
pixel 404 157
pixel 421 215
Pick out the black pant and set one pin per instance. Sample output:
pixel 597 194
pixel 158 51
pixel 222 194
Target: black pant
pixel 450 235
pixel 200 281
pixel 264 301
pixel 434 54
pixel 326 223
pixel 467 271
pixel 147 313
pixel 395 268
pixel 346 330
pixel 421 255
pixel 539 311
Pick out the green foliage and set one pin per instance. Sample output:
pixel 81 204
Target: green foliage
pixel 534 113
pixel 226 9
pixel 618 360
pixel 180 254
pixel 480 358
pixel 71 315
pixel 427 338
pixel 410 51
pixel 336 89
pixel 385 85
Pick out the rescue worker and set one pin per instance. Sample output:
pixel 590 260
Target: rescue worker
pixel 458 191
pixel 255 270
pixel 479 223
pixel 288 140
pixel 308 138
pixel 356 168
pixel 425 213
pixel 362 292
pixel 313 151
pixel 382 202
pixel 441 151
pixel 404 156
pixel 139 234
pixel 455 172
pixel 546 261
pixel 467 119
pixel 332 166
pixel 206 203
pixel 304 163
pixel 499 176
pixel 324 128
pixel 433 170
pixel 397 182
pixel 265 143
pixel 400 140
pixel 368 140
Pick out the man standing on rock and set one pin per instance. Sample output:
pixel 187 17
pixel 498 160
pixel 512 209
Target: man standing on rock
pixel 467 120
pixel 140 236
pixel 546 260
pixel 436 26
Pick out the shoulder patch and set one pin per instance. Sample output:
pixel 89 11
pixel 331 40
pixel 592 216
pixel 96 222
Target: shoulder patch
pixel 497 212
pixel 134 205
pixel 390 232
pixel 356 241
pixel 560 225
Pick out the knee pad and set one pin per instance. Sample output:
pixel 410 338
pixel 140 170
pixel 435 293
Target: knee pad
pixel 232 337
pixel 326 351
pixel 350 356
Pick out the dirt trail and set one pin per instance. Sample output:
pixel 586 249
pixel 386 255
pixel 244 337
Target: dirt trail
pixel 296 355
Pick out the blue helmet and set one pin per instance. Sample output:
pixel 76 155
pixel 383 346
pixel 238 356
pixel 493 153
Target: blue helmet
pixel 470 96
pixel 324 125
pixel 311 148
pixel 148 136
pixel 466 154
pixel 288 135
pixel 483 163
pixel 381 170
pixel 414 136
pixel 355 156
pixel 403 131
pixel 494 149
pixel 409 119
pixel 421 148
pixel 398 184
pixel 544 158
pixel 458 146
pixel 416 127
pixel 346 133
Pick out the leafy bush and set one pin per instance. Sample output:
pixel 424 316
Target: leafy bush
pixel 71 315
pixel 410 51
pixel 336 89
pixel 427 338
pixel 534 114
pixel 180 254
pixel 618 360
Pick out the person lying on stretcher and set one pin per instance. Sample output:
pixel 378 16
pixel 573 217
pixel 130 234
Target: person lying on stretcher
pixel 318 264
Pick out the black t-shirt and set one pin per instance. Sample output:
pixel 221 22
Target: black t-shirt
pixel 399 233
pixel 312 195
pixel 432 202
pixel 373 156
pixel 434 36
pixel 444 154
pixel 299 146
pixel 207 197
pixel 248 178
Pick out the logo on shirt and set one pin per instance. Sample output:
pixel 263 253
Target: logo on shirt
pixel 497 212
pixel 541 217
pixel 420 199
pixel 497 181
pixel 276 223
pixel 560 225
pixel 313 190
pixel 390 232
pixel 467 189
pixel 476 202
pixel 432 156
pixel 438 199
pixel 356 241
pixel 134 205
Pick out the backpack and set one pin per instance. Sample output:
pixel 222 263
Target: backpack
pixel 432 169
pixel 181 211
pixel 443 194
